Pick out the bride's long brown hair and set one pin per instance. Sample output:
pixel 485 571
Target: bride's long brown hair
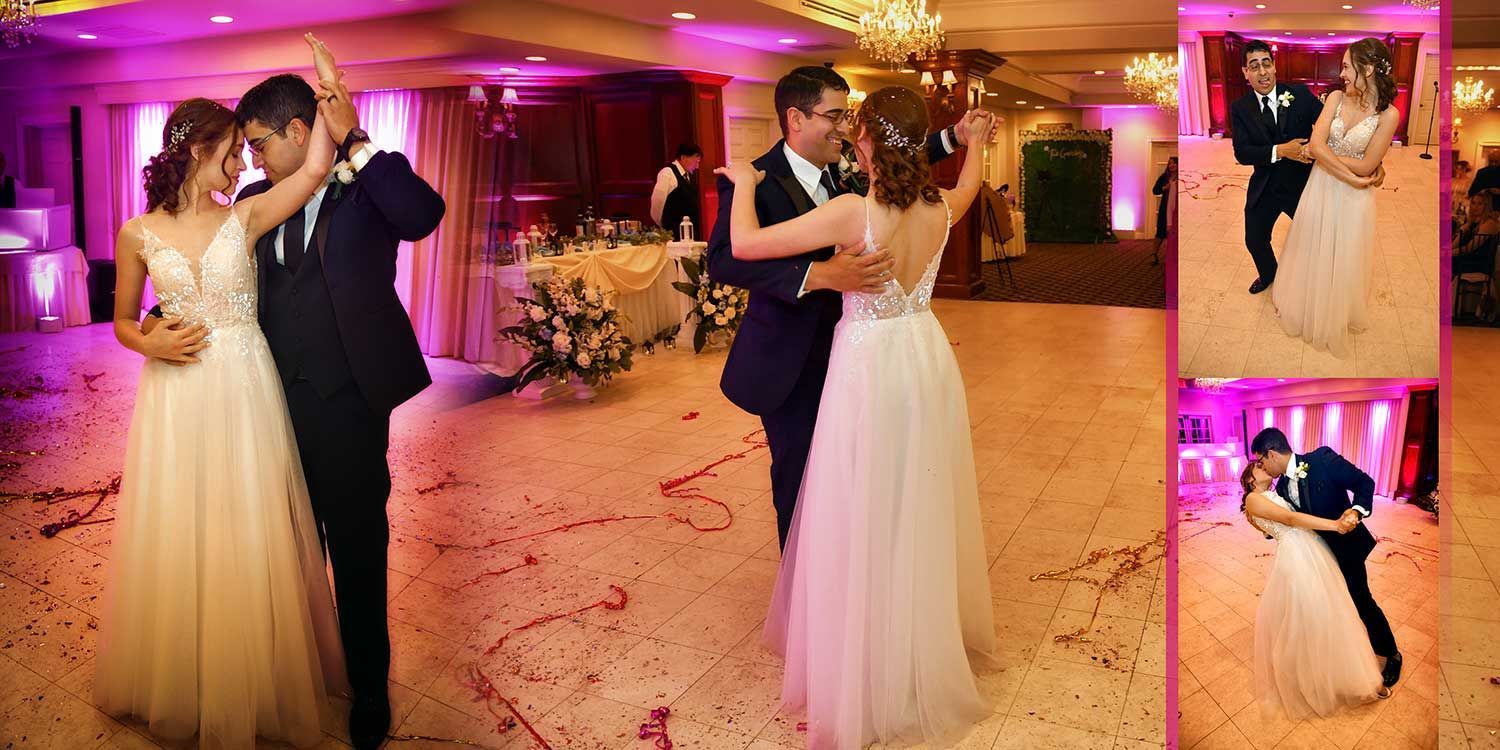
pixel 895 118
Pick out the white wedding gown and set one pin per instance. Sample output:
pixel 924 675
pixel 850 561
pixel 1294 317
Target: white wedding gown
pixel 1312 656
pixel 883 595
pixel 1323 286
pixel 217 616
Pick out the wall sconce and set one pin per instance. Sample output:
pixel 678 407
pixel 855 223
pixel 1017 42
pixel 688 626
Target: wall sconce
pixel 494 117
pixel 949 79
pixel 927 82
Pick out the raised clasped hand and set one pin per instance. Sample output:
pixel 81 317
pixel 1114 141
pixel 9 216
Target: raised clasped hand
pixel 741 173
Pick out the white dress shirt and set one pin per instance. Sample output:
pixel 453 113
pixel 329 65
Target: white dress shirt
pixel 666 182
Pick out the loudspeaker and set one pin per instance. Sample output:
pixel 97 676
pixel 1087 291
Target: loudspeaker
pixel 101 291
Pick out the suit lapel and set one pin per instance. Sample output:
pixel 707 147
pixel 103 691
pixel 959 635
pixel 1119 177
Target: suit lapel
pixel 325 216
pixel 780 171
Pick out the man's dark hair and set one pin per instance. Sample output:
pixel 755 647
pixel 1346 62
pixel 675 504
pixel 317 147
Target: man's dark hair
pixel 803 88
pixel 278 100
pixel 1255 45
pixel 1270 439
pixel 688 149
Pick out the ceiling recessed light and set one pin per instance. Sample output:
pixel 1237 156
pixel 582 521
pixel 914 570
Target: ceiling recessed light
pixel 510 70
pixel 991 93
pixel 1330 33
pixel 87 36
pixel 1348 7
pixel 1040 107
pixel 1288 33
pixel 222 19
pixel 1260 6
pixel 1098 72
pixel 787 40
pixel 1180 9
pixel 536 58
pixel 683 16
pixel 1020 101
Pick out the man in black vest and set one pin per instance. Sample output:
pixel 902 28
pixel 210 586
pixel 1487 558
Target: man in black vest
pixel 345 350
pixel 676 192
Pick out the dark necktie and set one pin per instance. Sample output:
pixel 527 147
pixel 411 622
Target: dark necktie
pixel 291 239
pixel 827 182
pixel 1267 116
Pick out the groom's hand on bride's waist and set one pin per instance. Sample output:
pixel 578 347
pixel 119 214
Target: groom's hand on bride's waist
pixel 848 271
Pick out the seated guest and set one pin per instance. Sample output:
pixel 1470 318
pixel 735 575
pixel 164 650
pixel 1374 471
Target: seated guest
pixel 1489 177
pixel 1474 246
pixel 676 192
pixel 7 186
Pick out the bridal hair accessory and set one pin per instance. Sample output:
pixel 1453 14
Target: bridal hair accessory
pixel 1383 67
pixel 179 134
pixel 892 136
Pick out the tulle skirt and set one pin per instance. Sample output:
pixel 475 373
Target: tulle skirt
pixel 1323 285
pixel 217 616
pixel 1312 656
pixel 883 596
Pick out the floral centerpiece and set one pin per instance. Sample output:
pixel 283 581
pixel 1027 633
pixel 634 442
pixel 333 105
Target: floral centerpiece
pixel 646 237
pixel 569 330
pixel 718 307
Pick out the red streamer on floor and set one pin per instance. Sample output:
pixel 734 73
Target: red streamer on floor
pixel 486 690
pixel 690 416
pixel 605 603
pixel 657 728
pixel 58 495
pixel 526 561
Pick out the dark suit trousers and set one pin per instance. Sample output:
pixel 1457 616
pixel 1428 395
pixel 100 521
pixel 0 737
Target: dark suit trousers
pixel 1260 219
pixel 789 432
pixel 1382 641
pixel 343 445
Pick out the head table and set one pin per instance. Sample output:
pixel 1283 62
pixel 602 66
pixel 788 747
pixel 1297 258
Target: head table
pixel 639 277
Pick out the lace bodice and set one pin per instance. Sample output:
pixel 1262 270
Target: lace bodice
pixel 1275 528
pixel 894 301
pixel 217 289
pixel 1353 141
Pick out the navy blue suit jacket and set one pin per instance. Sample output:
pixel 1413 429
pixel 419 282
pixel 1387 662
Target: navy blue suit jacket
pixel 386 204
pixel 776 340
pixel 1325 493
pixel 1253 142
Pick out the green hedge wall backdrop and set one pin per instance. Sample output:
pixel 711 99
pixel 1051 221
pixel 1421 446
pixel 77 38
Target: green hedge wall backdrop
pixel 1065 185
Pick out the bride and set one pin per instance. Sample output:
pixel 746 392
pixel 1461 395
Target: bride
pixel 883 598
pixel 1311 654
pixel 1322 289
pixel 217 617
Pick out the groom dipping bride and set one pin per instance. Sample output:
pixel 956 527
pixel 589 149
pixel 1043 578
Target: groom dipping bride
pixel 1310 657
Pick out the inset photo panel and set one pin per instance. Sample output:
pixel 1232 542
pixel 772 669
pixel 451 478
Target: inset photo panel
pixel 1309 192
pixel 1308 562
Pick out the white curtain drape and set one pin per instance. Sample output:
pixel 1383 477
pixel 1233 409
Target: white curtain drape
pixel 135 136
pixel 1192 94
pixel 1367 433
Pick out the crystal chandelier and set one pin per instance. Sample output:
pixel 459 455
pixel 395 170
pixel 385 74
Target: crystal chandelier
pixel 1212 385
pixel 1153 80
pixel 898 29
pixel 1471 96
pixel 17 21
pixel 1424 4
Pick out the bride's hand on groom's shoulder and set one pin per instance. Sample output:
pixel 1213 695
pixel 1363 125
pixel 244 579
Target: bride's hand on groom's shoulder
pixel 741 173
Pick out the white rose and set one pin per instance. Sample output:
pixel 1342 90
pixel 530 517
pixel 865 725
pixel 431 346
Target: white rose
pixel 558 322
pixel 730 312
pixel 720 320
pixel 595 342
pixel 709 309
pixel 562 343
pixel 718 294
pixel 344 174
pixel 614 354
pixel 537 314
pixel 571 309
pixel 583 359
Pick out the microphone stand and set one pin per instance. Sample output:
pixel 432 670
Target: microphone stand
pixel 1430 116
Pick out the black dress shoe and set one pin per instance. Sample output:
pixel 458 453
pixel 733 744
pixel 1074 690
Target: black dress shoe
pixel 1392 671
pixel 369 722
pixel 1259 286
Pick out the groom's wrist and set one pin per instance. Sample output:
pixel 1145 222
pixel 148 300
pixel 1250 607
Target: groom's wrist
pixel 1360 509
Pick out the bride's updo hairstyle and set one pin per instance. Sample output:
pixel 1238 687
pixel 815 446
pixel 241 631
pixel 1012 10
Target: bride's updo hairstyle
pixel 895 118
pixel 1247 483
pixel 195 122
pixel 1381 83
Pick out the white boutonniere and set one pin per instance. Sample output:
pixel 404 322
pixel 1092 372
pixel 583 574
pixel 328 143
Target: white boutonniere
pixel 849 174
pixel 1300 473
pixel 343 174
pixel 1285 99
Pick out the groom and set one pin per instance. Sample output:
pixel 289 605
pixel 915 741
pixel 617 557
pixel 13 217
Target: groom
pixel 1320 484
pixel 345 350
pixel 779 359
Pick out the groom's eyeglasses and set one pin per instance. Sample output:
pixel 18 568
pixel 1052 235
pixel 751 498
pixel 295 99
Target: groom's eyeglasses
pixel 835 116
pixel 258 143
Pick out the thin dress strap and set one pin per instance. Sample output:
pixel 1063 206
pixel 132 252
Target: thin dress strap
pixel 869 229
